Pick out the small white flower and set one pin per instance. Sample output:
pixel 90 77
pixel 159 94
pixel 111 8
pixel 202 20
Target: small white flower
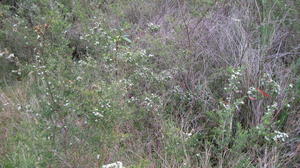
pixel 236 20
pixel 79 78
pixel 11 56
pixel 97 114
pixel 275 105
pixel 268 139
pixel 114 165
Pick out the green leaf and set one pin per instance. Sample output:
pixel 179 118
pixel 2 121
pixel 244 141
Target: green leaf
pixel 126 39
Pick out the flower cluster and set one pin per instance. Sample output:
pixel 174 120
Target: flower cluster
pixel 105 107
pixel 268 116
pixel 152 102
pixel 97 114
pixel 139 57
pixel 234 81
pixel 280 136
pixel 113 165
pixel 153 27
pixel 252 92
pixel 271 85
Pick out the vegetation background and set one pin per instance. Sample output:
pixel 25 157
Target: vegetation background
pixel 150 83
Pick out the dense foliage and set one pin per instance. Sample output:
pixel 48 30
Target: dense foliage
pixel 149 83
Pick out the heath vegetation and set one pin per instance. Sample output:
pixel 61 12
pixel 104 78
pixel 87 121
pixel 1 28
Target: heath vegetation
pixel 149 83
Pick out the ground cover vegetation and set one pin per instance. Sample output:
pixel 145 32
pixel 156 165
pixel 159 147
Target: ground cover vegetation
pixel 149 83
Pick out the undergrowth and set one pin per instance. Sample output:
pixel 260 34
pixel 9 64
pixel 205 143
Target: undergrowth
pixel 140 83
